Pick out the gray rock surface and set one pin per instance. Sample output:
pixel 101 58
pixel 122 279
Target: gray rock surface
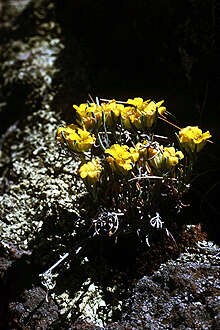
pixel 29 157
pixel 182 294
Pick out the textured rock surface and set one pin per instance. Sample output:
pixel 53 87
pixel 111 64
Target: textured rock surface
pixel 30 160
pixel 36 182
pixel 182 294
pixel 34 310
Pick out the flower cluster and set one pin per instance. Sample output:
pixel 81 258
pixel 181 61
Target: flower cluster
pixel 122 158
pixel 141 114
pixel 77 139
pixel 135 113
pixel 91 171
pixel 165 157
pixel 90 115
pixel 192 139
pixel 123 162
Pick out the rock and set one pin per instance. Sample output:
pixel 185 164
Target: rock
pixel 32 172
pixel 34 310
pixel 30 61
pixel 182 294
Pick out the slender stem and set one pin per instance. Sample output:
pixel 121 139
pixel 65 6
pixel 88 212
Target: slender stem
pixel 91 98
pixel 167 121
pixel 100 141
pixel 120 102
pixel 59 261
pixel 56 264
pixel 151 177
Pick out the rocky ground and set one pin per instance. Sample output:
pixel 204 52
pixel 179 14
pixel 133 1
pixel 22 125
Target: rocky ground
pixel 43 216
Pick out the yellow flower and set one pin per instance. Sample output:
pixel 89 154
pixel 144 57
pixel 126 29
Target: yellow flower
pixel 78 139
pixel 142 148
pixel 121 157
pixel 95 109
pixel 66 132
pixel 164 157
pixel 137 102
pixel 152 105
pixel 131 116
pixel 143 114
pixel 171 156
pixel 87 112
pixel 134 154
pixel 81 109
pixel 192 138
pixel 112 111
pixel 155 157
pixel 91 114
pixel 91 171
pixel 150 111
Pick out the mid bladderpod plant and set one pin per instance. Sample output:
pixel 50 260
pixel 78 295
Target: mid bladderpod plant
pixel 134 177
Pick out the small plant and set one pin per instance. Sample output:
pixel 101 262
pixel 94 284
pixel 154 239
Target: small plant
pixel 134 177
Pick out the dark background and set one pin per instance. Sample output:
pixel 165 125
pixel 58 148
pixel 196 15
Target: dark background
pixel 160 49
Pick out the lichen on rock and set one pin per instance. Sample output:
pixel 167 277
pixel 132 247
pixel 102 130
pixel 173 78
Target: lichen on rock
pixel 34 187
pixel 181 293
